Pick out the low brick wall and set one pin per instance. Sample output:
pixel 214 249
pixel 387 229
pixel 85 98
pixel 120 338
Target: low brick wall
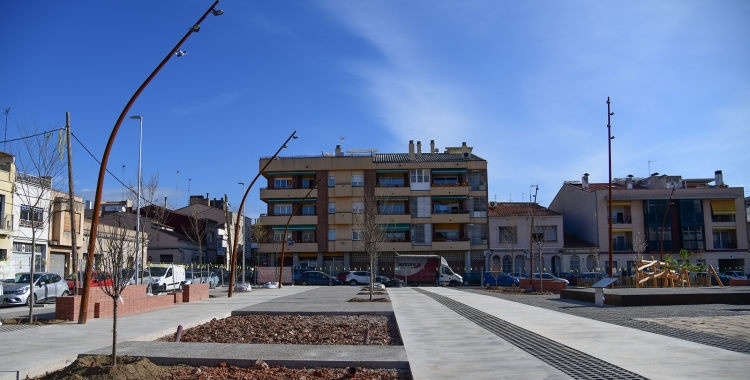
pixel 134 300
pixel 736 282
pixel 549 286
pixel 195 292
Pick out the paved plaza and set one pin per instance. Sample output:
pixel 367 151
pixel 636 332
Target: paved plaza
pixel 448 333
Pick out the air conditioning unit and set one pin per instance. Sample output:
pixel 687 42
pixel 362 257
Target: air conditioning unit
pixel 493 204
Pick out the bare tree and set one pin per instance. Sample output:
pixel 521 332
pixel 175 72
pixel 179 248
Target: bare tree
pixel 40 169
pixel 509 240
pixel 195 230
pixel 371 226
pixel 640 243
pixel 539 241
pixel 156 214
pixel 260 234
pixel 115 245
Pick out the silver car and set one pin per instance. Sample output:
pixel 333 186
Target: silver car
pixel 195 278
pixel 47 286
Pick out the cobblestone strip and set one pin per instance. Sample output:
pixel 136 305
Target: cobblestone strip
pixel 627 316
pixel 572 362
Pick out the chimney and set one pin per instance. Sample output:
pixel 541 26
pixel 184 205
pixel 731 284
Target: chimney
pixel 464 149
pixel 411 150
pixel 432 146
pixel 719 181
pixel 338 151
pixel 629 182
pixel 585 181
pixel 419 148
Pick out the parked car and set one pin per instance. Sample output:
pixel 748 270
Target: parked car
pixel 589 278
pixel 735 274
pixel 499 279
pixel 296 272
pixel 342 275
pixel 167 278
pixel 144 278
pixel 548 277
pixel 394 283
pixel 700 276
pixel 472 279
pixel 47 286
pixel 519 275
pixel 207 277
pixel 571 277
pixel 98 278
pixel 358 277
pixel 381 279
pixel 315 277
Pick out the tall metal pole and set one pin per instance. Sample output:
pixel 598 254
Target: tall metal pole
pixel 244 239
pixel 242 207
pixel 138 251
pixel 71 204
pixel 83 314
pixel 609 189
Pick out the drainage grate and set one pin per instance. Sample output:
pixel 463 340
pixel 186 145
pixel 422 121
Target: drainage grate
pixel 10 328
pixel 572 362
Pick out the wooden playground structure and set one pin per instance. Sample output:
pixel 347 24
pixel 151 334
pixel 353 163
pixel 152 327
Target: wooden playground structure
pixel 660 275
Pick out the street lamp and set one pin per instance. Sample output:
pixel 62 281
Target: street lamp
pixel 138 252
pixel 244 238
pixel 609 188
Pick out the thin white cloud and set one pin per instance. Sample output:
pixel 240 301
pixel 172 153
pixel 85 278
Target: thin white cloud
pixel 217 102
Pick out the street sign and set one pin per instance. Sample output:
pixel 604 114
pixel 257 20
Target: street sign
pixel 605 282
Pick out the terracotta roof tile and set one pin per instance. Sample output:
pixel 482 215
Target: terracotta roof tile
pixel 573 241
pixel 424 157
pixel 519 209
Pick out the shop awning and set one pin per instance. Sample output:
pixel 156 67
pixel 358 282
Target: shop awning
pixel 724 228
pixel 622 230
pixel 291 200
pixel 391 171
pixel 298 227
pixel 274 174
pixel 723 207
pixel 396 227
pixel 449 171
pixel 620 203
pixel 449 198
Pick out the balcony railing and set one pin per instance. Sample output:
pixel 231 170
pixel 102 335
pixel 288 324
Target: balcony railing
pixel 622 219
pixel 622 246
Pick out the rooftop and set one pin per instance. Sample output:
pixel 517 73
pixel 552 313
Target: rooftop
pixel 424 157
pixel 520 209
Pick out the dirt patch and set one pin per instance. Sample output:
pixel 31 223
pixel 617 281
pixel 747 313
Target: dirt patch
pixel 295 329
pixel 25 321
pixel 357 299
pixel 129 368
pixel 377 293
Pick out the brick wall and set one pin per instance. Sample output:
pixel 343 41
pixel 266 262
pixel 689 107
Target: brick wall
pixel 549 286
pixel 195 292
pixel 736 282
pixel 100 304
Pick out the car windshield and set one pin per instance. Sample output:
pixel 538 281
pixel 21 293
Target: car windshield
pixel 23 278
pixel 158 271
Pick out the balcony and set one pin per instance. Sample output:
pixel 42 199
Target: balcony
pixel 386 192
pixel 622 219
pixel 281 220
pixel 622 246
pixel 451 245
pixel 460 217
pixel 400 247
pixel 284 193
pixel 449 190
pixel 395 219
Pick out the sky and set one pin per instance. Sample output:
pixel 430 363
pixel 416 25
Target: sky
pixel 523 83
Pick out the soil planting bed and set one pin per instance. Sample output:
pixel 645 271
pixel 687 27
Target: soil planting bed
pixel 500 289
pixel 129 368
pixel 295 329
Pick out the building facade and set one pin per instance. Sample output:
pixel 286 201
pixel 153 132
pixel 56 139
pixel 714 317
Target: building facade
pixel 428 203
pixel 659 214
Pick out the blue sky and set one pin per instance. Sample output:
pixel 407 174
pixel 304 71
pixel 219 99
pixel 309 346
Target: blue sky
pixel 524 83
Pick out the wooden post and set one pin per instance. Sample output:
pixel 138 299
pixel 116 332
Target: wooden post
pixel 716 276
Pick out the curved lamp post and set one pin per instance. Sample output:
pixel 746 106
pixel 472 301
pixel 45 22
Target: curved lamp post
pixel 83 315
pixel 242 207
pixel 138 252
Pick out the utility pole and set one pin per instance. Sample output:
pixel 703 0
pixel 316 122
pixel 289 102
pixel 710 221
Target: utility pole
pixel 609 188
pixel 71 204
pixel 531 233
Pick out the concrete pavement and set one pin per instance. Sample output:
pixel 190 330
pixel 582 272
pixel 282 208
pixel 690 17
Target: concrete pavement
pixel 447 333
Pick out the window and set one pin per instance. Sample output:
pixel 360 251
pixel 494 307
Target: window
pixel 31 214
pixel 395 236
pixel 725 239
pixel 331 207
pixel 3 254
pixel 575 264
pixel 445 208
pixel 421 234
pixel 692 237
pixel 478 233
pixel 420 175
pixel 508 235
pixel 308 182
pixel 356 234
pixel 308 237
pixel 308 210
pixel 331 180
pixel 282 209
pixel 547 233
pixel 278 236
pixel 606 265
pixel 507 264
pixel 479 204
pixel 392 208
pixel 280 183
pixel 420 207
pixel 358 207
pixel 391 181
pixel 331 235
pixel 445 180
pixel 358 180
pixel 655 236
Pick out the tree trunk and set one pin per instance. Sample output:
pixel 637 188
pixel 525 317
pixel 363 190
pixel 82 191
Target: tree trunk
pixel 114 331
pixel 31 271
pixel 372 275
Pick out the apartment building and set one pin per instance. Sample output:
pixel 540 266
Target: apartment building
pixel 430 203
pixel 659 212
pixel 7 181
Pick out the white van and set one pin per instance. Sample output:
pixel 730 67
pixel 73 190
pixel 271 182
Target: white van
pixel 165 278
